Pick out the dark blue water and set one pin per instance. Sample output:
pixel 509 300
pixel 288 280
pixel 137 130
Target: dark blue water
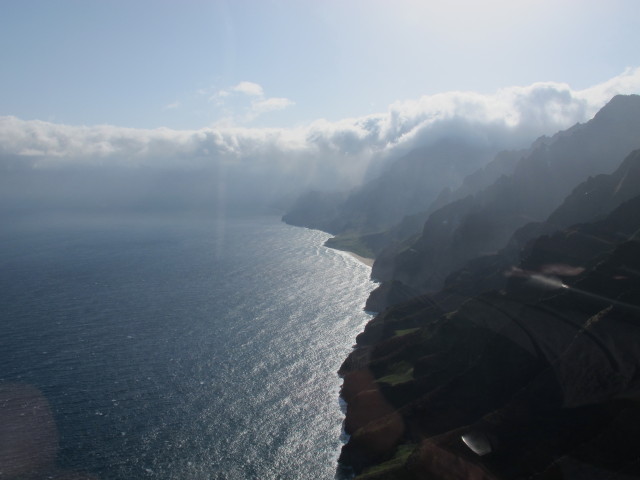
pixel 181 347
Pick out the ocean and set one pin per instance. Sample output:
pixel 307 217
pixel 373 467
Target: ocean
pixel 179 347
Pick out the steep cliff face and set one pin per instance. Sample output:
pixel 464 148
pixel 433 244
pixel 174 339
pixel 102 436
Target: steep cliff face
pixel 407 186
pixel 589 201
pixel 391 209
pixel 535 377
pixel 316 210
pixel 483 223
pixel 503 164
pixel 598 195
pixel 407 230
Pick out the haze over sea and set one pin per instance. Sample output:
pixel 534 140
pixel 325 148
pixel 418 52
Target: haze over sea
pixel 180 347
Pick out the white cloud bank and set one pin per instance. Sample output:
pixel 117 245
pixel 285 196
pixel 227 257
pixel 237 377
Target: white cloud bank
pixel 322 154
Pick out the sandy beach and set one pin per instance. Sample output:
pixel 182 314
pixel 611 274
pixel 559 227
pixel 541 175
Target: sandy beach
pixel 367 261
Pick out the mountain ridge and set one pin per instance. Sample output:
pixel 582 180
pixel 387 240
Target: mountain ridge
pixel 481 224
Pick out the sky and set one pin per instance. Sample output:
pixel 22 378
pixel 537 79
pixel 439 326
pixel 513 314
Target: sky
pixel 286 63
pixel 307 94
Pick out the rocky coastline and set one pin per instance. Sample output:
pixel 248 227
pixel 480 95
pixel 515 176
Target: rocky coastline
pixel 506 344
pixel 535 369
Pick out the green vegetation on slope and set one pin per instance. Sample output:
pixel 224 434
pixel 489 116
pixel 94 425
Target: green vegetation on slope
pixel 398 373
pixel 389 469
pixel 350 243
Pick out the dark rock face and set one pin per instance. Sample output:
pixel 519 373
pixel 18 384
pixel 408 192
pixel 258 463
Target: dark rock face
pixel 389 293
pixel 543 370
pixel 483 223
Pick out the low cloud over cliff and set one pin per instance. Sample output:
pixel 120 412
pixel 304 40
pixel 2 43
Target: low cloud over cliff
pixel 266 163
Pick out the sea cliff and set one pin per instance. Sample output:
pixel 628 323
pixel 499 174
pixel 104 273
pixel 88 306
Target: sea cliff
pixel 506 345
pixel 543 371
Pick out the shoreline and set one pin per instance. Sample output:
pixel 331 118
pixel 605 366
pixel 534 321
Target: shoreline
pixel 367 261
pixel 364 260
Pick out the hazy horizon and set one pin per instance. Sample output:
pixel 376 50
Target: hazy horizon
pixel 51 164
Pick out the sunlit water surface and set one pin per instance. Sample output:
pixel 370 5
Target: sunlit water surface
pixel 182 348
